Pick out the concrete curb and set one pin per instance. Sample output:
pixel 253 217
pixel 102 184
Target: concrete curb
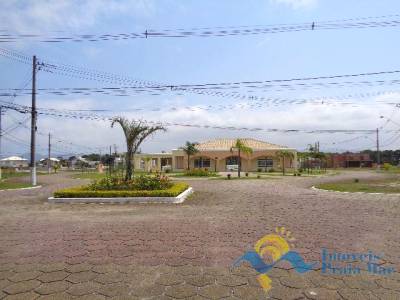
pixel 362 193
pixel 20 189
pixel 122 200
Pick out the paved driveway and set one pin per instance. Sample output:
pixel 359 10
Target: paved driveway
pixel 88 251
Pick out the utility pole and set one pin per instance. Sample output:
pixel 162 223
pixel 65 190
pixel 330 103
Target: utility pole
pixel 49 159
pixel 110 161
pixel 1 133
pixel 378 154
pixel 33 124
pixel 1 130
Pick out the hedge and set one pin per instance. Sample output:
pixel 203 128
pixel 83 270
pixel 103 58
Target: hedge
pixel 83 192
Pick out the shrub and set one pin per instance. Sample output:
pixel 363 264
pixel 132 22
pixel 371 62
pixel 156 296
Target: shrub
pixel 258 176
pixel 259 170
pixel 387 166
pixel 199 172
pixel 158 182
pixel 141 182
pixel 247 174
pixel 271 170
pixel 229 176
pixel 84 192
pixel 356 180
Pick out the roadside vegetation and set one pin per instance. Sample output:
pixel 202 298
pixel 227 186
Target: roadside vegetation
pixel 387 186
pixel 10 179
pixel 7 185
pixel 196 173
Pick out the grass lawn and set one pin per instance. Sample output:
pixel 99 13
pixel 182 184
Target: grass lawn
pixel 6 175
pixel 5 185
pixel 191 176
pixel 388 186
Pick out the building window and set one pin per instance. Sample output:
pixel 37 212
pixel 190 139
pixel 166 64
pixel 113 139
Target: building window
pixel 202 162
pixel 265 163
pixel 233 160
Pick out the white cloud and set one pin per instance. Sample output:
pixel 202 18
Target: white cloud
pixel 297 4
pixel 306 116
pixel 45 15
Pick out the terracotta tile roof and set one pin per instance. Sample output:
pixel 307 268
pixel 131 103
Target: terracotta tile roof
pixel 226 144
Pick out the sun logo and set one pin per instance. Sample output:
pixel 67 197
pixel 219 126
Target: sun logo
pixel 273 246
pixel 271 249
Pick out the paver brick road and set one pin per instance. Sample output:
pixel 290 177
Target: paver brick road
pixel 161 251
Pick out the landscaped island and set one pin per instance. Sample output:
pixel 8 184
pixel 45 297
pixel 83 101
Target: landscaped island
pixel 143 188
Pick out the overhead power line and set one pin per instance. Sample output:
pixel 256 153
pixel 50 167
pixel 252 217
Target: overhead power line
pixel 8 36
pixel 209 89
pixel 96 117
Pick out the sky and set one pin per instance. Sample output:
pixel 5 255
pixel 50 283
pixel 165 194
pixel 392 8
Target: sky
pixel 196 60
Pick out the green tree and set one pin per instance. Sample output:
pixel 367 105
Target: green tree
pixel 284 154
pixel 241 148
pixel 135 133
pixel 190 149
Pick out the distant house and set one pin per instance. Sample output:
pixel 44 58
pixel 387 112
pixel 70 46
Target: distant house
pixel 14 162
pixel 350 160
pixel 79 162
pixel 54 161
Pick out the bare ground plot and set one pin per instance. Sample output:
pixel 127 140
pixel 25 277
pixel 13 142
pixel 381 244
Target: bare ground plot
pixel 185 251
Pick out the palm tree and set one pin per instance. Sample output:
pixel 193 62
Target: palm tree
pixel 135 133
pixel 190 149
pixel 242 148
pixel 283 154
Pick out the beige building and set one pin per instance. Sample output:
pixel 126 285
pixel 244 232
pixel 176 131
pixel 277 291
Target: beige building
pixel 218 155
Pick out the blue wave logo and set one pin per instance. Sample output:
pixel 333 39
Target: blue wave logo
pixel 277 247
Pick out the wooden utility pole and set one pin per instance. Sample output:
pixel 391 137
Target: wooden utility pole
pixel 110 161
pixel 1 130
pixel 49 158
pixel 378 154
pixel 33 124
pixel 1 133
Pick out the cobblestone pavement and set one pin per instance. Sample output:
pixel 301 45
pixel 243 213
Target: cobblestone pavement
pixel 165 251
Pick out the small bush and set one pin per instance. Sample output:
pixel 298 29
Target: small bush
pixel 387 166
pixel 258 176
pixel 356 180
pixel 84 192
pixel 150 183
pixel 229 176
pixel 247 174
pixel 200 173
pixel 259 170
pixel 271 170
pixel 167 171
pixel 141 182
